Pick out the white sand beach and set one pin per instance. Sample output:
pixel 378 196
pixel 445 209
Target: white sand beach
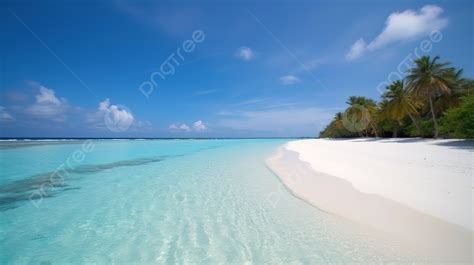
pixel 417 190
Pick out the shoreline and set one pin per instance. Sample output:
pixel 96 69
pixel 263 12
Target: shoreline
pixel 432 238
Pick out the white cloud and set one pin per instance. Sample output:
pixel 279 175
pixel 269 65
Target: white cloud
pixel 402 26
pixel 47 96
pixel 356 50
pixel 289 80
pixel 245 53
pixel 47 105
pixel 199 126
pixel 179 127
pixel 104 105
pixel 4 115
pixel 183 127
pixel 116 118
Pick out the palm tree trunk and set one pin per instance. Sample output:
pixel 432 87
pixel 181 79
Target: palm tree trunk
pixel 414 122
pixel 375 131
pixel 435 122
pixel 395 131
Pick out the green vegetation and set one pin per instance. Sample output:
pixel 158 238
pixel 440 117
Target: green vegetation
pixel 459 122
pixel 433 100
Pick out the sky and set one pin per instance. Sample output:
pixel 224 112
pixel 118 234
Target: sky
pixel 210 68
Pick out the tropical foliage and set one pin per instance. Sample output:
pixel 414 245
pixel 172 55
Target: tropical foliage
pixel 434 100
pixel 459 122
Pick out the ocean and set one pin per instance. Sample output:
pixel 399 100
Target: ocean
pixel 164 201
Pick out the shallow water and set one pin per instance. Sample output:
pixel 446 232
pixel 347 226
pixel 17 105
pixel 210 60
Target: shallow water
pixel 164 201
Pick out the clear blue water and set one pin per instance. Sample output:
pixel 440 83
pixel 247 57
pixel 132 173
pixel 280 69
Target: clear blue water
pixel 164 201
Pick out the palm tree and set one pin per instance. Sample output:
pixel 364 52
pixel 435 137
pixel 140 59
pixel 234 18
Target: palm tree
pixel 384 116
pixel 461 87
pixel 357 108
pixel 338 121
pixel 335 128
pixel 399 103
pixel 430 79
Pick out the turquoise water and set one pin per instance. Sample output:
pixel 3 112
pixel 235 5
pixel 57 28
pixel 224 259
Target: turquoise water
pixel 163 201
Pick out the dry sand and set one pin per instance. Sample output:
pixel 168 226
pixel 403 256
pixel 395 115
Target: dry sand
pixel 418 191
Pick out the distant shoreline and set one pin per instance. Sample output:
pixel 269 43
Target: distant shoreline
pixel 138 138
pixel 6 139
pixel 28 142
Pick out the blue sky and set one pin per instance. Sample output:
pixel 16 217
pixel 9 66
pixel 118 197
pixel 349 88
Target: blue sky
pixel 210 69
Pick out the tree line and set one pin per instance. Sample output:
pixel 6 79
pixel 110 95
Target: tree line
pixel 433 100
